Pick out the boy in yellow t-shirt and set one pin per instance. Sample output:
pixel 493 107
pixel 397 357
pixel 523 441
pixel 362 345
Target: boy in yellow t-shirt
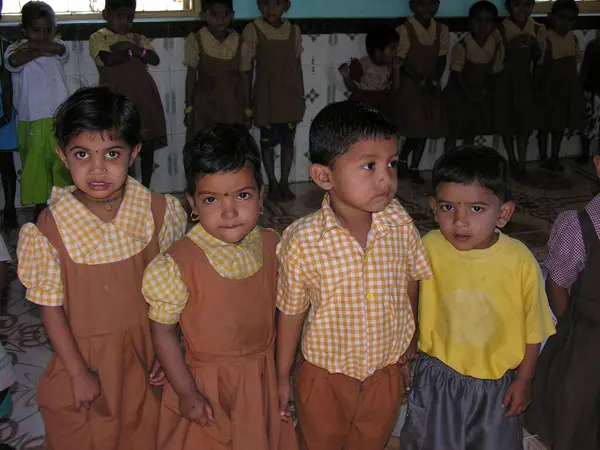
pixel 481 318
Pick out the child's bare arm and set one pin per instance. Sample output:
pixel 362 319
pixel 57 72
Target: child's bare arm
pixel 7 94
pixel 21 58
pixel 518 395
pixel 289 329
pixel 190 82
pixel 113 58
pixel 558 297
pixel 55 48
pixel 3 271
pixel 440 68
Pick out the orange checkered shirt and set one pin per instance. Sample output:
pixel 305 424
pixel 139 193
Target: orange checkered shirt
pixel 359 314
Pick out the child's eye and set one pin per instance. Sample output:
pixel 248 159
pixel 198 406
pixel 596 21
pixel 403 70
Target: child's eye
pixel 446 208
pixel 244 195
pixel 112 154
pixel 210 200
pixel 369 166
pixel 393 164
pixel 477 209
pixel 81 155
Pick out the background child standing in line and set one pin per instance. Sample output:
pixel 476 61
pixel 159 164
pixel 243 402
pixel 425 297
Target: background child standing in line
pixel 420 112
pixel 590 79
pixel 562 103
pixel 215 89
pixel 121 57
pixel 524 43
pixel 474 62
pixel 39 59
pixel 369 78
pixel 275 45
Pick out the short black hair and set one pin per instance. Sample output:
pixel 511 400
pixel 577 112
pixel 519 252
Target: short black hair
pixel 35 10
pixel 97 110
pixel 564 5
pixel 378 38
pixel 483 5
pixel 473 164
pixel 111 5
pixel 208 3
pixel 222 147
pixel 508 2
pixel 340 125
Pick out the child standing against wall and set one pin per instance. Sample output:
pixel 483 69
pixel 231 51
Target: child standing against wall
pixel 275 45
pixel 420 112
pixel 215 90
pixel 590 79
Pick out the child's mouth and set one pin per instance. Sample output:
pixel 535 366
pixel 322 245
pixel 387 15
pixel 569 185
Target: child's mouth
pixel 98 185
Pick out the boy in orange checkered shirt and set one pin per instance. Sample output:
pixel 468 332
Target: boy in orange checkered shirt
pixel 348 284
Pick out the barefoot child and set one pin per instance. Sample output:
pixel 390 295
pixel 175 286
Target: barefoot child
pixel 219 284
pixel 278 90
pixel 215 89
pixel 347 287
pixel 39 60
pixel 481 318
pixel 83 264
pixel 122 58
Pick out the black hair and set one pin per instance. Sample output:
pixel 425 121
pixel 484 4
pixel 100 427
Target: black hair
pixel 483 5
pixel 564 5
pixel 378 38
pixel 222 147
pixel 208 3
pixel 508 2
pixel 35 10
pixel 97 110
pixel 473 164
pixel 338 126
pixel 111 5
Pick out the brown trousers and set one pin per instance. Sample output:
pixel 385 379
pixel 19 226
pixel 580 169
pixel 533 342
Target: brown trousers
pixel 337 412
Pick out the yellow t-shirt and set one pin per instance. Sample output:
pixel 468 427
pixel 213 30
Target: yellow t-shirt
pixel 482 306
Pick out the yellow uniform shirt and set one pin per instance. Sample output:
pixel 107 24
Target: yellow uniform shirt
pixel 360 318
pixel 482 306
pixel 103 39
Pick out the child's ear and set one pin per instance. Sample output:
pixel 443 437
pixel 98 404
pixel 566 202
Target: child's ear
pixel 321 175
pixel 192 202
pixel 134 152
pixel 596 160
pixel 433 206
pixel 506 211
pixel 61 155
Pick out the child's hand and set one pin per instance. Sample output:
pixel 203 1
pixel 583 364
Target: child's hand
pixel 157 376
pixel 406 375
pixel 517 398
pixel 284 400
pixel 86 388
pixel 410 353
pixel 196 408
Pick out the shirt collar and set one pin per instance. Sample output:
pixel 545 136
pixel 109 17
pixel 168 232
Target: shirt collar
pixel 420 29
pixel 513 30
pixel 133 217
pixel 232 261
pixel 393 215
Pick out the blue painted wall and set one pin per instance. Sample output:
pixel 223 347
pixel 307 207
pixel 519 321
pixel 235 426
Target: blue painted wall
pixel 245 9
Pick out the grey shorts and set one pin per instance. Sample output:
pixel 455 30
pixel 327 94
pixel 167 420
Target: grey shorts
pixel 450 411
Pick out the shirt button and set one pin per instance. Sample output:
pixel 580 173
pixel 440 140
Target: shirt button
pixel 370 296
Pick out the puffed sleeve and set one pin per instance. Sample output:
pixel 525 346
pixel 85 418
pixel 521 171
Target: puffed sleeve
pixel 404 43
pixel 299 48
pixel 191 51
pixel 249 50
pixel 457 58
pixel 12 48
pixel 164 290
pixel 444 41
pixel 98 44
pixel 39 268
pixel 174 224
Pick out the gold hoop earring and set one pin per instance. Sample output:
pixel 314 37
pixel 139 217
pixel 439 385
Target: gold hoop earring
pixel 194 216
pixel 261 210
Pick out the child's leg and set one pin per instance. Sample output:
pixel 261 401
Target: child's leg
pixel 543 145
pixel 557 137
pixel 585 150
pixel 522 141
pixel 287 138
pixel 416 160
pixel 9 185
pixel 267 146
pixel 509 145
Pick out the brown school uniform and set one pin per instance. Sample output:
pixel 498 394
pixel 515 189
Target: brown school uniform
pixel 106 312
pixel 219 93
pixel 419 114
pixel 469 117
pixel 133 80
pixel 278 83
pixel 562 102
pixel 227 319
pixel 373 85
pixel 515 111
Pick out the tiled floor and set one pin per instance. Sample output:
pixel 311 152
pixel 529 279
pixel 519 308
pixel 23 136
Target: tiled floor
pixel 23 336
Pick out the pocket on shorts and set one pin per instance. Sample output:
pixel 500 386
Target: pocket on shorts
pixel 415 425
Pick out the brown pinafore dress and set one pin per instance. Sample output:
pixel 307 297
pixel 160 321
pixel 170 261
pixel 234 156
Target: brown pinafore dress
pixel 278 85
pixel 229 333
pixel 108 317
pixel 561 94
pixel 515 111
pixel 420 114
pixel 218 91
pixel 133 80
pixel 468 118
pixel 566 389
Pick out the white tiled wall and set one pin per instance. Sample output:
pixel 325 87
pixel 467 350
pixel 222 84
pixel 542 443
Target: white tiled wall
pixel 323 85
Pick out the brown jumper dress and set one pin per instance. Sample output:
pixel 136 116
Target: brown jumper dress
pixel 468 118
pixel 419 114
pixel 562 103
pixel 515 111
pixel 278 85
pixel 566 389
pixel 229 332
pixel 133 80
pixel 108 317
pixel 219 90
